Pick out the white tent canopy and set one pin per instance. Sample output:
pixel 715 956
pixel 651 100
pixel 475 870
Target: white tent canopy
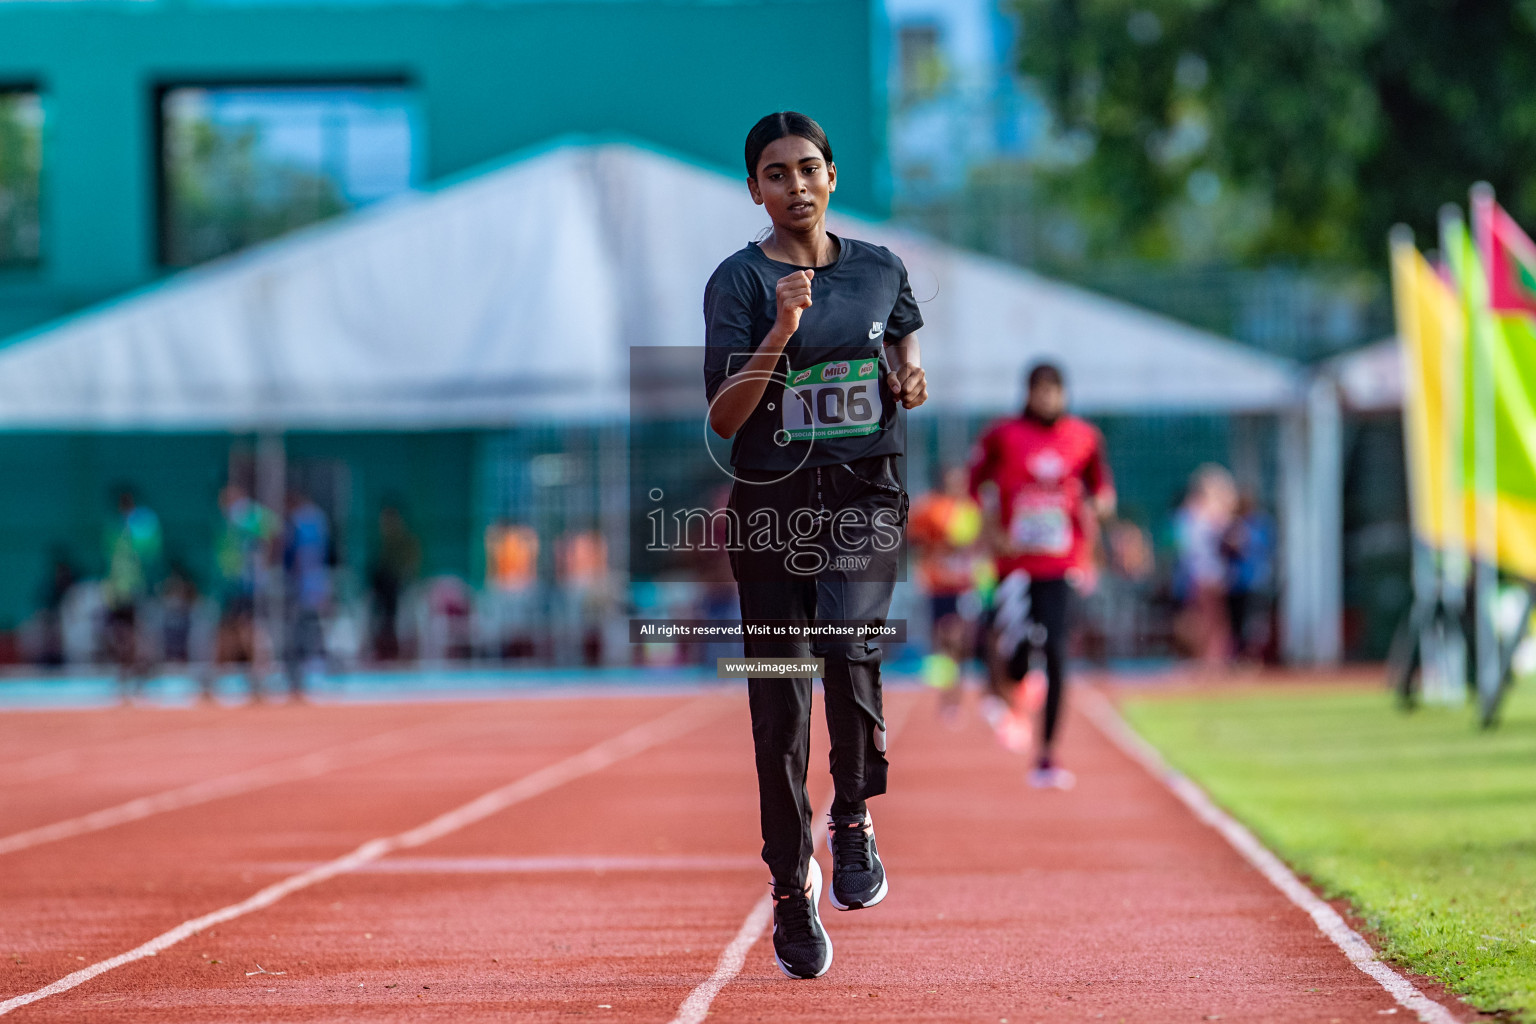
pixel 1370 379
pixel 514 295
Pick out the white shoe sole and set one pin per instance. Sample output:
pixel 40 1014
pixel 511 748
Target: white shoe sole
pixel 1061 783
pixel 815 879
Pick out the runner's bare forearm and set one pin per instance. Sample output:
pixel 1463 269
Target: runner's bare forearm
pixel 739 395
pixel 906 378
pixel 734 405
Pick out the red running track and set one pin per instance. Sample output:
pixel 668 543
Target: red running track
pixel 608 888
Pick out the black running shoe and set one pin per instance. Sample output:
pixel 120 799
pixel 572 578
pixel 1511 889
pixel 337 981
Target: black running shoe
pixel 801 945
pixel 858 877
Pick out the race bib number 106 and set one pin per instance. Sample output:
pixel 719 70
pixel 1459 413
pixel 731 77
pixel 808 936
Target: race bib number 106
pixel 836 399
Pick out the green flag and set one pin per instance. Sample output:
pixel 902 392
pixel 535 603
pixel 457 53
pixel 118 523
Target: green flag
pixel 1500 421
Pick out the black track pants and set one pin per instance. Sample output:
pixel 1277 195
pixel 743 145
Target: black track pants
pixel 1049 608
pixel 803 592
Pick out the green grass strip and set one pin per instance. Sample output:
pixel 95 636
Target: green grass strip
pixel 1426 824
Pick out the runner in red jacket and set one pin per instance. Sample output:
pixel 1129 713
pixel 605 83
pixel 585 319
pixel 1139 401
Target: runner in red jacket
pixel 1044 482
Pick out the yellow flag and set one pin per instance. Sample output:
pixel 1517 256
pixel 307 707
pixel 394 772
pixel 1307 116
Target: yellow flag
pixel 1431 330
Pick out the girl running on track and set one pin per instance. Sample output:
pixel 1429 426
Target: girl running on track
pixel 811 353
pixel 1044 481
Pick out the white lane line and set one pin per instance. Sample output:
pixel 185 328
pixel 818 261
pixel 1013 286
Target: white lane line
pixel 673 724
pixel 734 957
pixel 296 769
pixel 696 1007
pixel 1107 719
pixel 538 865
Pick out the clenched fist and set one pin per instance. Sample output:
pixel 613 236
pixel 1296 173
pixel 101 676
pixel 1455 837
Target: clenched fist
pixel 909 384
pixel 794 297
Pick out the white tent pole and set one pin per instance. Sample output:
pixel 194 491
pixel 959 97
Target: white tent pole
pixel 1326 452
pixel 1296 606
pixel 1312 528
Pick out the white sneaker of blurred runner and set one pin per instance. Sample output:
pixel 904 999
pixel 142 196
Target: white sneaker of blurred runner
pixel 1051 777
pixel 1015 732
pixel 993 709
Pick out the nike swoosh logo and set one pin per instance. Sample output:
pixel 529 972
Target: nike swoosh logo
pixel 875 332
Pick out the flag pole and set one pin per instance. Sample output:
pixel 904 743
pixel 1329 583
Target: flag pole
pixel 1455 569
pixel 1486 645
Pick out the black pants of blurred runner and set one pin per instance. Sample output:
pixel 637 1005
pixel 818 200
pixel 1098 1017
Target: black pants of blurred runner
pixel 1050 607
pixel 844 591
pixel 123 643
pixel 236 642
pixel 304 642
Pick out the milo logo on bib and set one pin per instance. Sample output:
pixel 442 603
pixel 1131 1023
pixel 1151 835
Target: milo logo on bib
pixel 832 399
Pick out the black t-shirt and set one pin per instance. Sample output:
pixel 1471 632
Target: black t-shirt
pixel 838 407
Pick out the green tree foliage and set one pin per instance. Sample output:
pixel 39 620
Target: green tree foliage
pixel 21 158
pixel 224 193
pixel 1250 130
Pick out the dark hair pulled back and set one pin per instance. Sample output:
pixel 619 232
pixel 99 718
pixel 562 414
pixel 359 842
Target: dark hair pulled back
pixel 1045 373
pixel 774 127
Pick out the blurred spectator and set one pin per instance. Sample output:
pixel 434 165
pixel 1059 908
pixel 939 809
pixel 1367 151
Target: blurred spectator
pixel 133 547
pixel 719 602
pixel 82 620
pixel 307 559
pixel 581 567
pixel 582 559
pixel 1117 610
pixel 48 642
pixel 1130 551
pixel 945 527
pixel 718 599
pixel 511 556
pixel 395 566
pixel 244 559
pixel 1249 547
pixel 1200 581
pixel 178 605
pixel 444 608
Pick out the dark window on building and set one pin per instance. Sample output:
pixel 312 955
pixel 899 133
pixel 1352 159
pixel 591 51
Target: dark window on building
pixel 21 174
pixel 242 164
pixel 920 60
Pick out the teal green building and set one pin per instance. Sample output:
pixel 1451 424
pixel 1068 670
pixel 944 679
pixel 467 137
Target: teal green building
pixel 486 79
pixel 479 81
